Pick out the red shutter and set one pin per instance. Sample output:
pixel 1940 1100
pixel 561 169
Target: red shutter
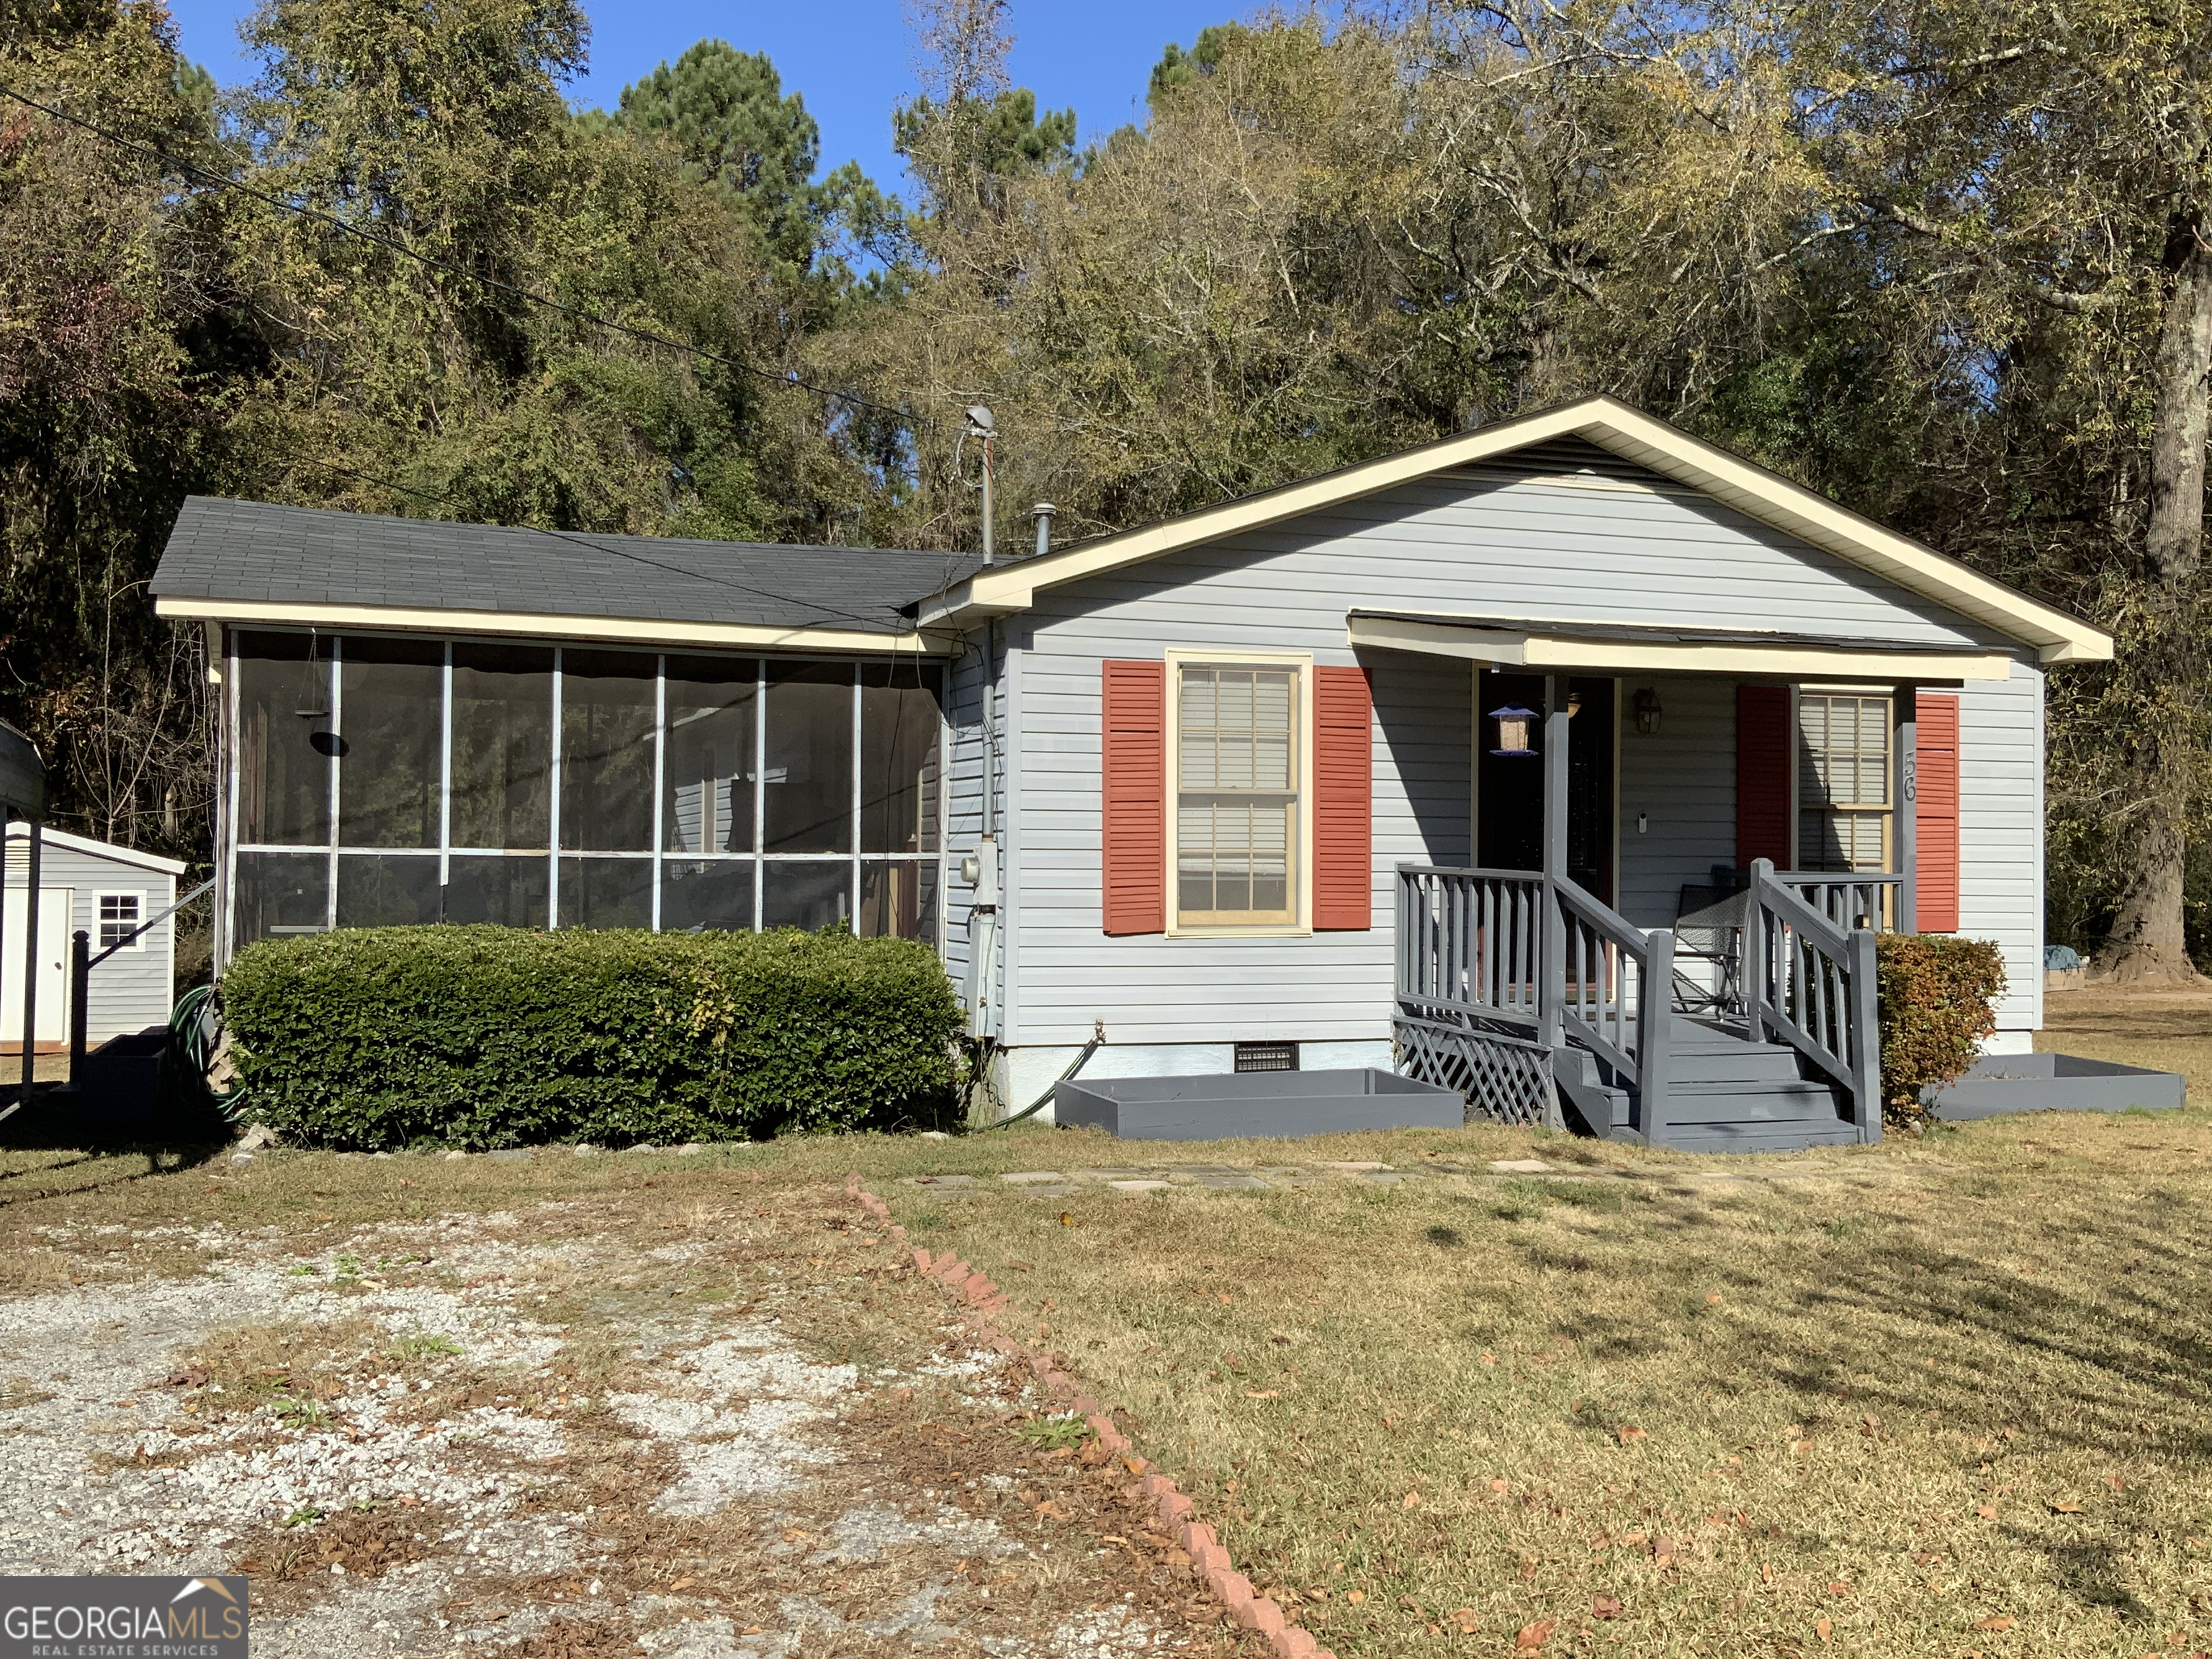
pixel 1762 775
pixel 1936 815
pixel 1134 795
pixel 1344 799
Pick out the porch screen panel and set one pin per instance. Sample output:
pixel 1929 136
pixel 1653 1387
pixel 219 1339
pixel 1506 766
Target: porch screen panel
pixel 710 763
pixel 1843 782
pixel 503 790
pixel 898 757
pixel 807 893
pixel 807 779
pixel 512 892
pixel 283 708
pixel 390 759
pixel 714 894
pixel 389 890
pixel 281 895
pixel 605 892
pixel 607 710
pixel 1237 795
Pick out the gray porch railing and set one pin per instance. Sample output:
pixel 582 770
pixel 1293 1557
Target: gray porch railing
pixel 1513 985
pixel 1810 980
pixel 1851 901
pixel 1496 965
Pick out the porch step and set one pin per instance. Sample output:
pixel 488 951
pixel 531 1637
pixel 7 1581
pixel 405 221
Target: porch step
pixel 1708 1103
pixel 1737 1062
pixel 1756 1137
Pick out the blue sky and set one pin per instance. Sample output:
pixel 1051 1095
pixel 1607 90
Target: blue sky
pixel 853 59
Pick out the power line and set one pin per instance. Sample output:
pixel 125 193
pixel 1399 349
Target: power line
pixel 381 239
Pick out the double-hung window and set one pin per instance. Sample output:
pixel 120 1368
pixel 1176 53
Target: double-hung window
pixel 1843 797
pixel 1238 779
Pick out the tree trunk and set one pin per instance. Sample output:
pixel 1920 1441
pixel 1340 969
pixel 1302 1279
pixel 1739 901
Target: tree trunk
pixel 2164 661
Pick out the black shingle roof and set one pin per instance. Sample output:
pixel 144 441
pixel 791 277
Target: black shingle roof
pixel 252 551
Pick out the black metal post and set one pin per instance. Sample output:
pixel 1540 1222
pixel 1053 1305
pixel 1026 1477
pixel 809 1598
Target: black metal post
pixel 33 850
pixel 80 985
pixel 1906 794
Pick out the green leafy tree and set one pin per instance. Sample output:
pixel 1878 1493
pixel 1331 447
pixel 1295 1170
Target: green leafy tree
pixel 117 366
pixel 726 113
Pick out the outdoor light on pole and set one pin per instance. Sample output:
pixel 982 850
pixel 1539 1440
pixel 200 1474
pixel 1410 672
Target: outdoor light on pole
pixel 981 426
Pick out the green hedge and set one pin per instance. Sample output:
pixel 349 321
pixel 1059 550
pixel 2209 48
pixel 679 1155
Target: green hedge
pixel 1938 999
pixel 491 1036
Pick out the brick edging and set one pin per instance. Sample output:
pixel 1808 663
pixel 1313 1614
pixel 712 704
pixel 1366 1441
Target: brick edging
pixel 982 1299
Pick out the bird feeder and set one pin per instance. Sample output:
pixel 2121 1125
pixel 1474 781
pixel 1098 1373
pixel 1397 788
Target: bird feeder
pixel 1513 723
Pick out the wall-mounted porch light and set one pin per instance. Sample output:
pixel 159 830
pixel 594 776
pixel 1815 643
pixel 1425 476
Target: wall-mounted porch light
pixel 1513 729
pixel 1646 706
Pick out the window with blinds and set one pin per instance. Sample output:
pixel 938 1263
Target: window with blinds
pixel 1236 796
pixel 1844 771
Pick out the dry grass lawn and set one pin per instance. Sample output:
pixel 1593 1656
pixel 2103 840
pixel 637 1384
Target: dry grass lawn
pixel 1946 1398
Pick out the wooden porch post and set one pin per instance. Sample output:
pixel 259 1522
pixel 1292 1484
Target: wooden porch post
pixel 1905 792
pixel 1552 998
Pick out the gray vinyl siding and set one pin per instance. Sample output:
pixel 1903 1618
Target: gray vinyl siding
pixel 2001 832
pixel 1683 777
pixel 130 991
pixel 1602 548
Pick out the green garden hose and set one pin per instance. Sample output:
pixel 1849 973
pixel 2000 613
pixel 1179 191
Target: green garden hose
pixel 1098 1037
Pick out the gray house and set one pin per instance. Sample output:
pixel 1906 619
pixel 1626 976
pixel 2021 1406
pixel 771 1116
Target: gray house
pixel 1438 760
pixel 105 892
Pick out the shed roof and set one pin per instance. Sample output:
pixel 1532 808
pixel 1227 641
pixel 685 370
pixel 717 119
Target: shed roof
pixel 103 849
pixel 253 560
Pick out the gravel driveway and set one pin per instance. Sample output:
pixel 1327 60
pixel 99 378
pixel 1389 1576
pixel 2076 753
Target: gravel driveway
pixel 724 1423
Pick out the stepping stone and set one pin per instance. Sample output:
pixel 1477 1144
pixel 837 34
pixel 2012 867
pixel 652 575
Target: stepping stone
pixel 1033 1177
pixel 1352 1169
pixel 1520 1165
pixel 1232 1182
pixel 1112 1175
pixel 1388 1176
pixel 940 1180
pixel 1139 1186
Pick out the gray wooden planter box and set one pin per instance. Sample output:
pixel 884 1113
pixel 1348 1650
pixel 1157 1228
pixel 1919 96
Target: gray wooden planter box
pixel 1228 1105
pixel 1997 1084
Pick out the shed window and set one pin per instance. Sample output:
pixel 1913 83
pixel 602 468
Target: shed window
pixel 1844 806
pixel 119 913
pixel 1237 795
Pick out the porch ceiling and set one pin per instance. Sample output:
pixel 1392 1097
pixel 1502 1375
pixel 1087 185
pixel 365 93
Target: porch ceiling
pixel 1625 648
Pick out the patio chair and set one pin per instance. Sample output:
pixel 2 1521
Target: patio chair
pixel 1709 923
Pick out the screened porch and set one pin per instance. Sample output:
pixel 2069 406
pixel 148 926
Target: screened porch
pixel 387 780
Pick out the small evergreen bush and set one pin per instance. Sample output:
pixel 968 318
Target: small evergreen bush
pixel 380 1038
pixel 1937 998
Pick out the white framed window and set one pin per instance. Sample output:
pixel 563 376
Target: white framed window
pixel 1241 727
pixel 1845 763
pixel 117 914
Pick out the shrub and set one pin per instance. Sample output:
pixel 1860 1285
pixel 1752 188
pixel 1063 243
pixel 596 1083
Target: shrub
pixel 491 1036
pixel 1938 999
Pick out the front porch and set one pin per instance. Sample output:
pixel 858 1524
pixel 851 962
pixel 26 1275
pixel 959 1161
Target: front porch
pixel 1667 932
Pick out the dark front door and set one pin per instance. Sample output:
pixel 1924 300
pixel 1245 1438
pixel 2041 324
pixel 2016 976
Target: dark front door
pixel 1510 787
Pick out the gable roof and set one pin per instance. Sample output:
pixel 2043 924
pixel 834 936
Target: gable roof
pixel 2056 636
pixel 103 849
pixel 254 562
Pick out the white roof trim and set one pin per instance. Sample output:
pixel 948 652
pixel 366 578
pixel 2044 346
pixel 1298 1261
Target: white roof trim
pixel 750 636
pixel 1533 649
pixel 22 831
pixel 1614 426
